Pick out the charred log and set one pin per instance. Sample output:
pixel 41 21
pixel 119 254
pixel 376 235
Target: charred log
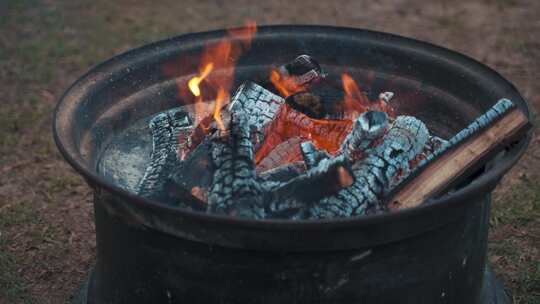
pixel 307 103
pixel 294 196
pixel 303 69
pixel 166 128
pixel 312 156
pixel 376 173
pixel 368 127
pixel 258 105
pixel 455 160
pixel 235 189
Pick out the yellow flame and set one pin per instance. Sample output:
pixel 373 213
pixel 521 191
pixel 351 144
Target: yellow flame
pixel 194 82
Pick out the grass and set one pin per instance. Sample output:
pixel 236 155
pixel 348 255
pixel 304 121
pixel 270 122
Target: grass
pixel 12 285
pixel 520 206
pixel 518 213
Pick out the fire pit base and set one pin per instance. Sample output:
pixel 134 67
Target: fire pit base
pixel 493 291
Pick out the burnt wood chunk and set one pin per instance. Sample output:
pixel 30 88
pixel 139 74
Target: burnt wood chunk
pixel 235 189
pixel 303 69
pixel 258 104
pixel 456 159
pixel 376 173
pixel 312 156
pixel 366 129
pixel 166 128
pixel 298 194
pixel 307 103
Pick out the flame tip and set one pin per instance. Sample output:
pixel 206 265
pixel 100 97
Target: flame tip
pixel 221 56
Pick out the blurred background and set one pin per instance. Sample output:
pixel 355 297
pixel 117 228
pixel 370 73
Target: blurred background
pixel 47 240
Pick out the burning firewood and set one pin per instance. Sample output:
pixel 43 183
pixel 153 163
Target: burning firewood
pixel 454 160
pixel 314 154
pixel 237 190
pixel 259 105
pixel 376 173
pixel 297 75
pixel 331 187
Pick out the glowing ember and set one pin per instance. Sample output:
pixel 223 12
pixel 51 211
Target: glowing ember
pixel 289 123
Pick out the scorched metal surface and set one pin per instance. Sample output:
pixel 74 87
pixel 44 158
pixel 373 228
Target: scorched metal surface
pixel 151 253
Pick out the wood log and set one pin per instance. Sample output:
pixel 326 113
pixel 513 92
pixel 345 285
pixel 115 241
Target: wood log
pixel 166 128
pixel 465 153
pixel 387 157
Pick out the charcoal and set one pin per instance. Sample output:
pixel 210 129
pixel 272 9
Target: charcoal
pixel 375 175
pixel 312 156
pixel 290 123
pixel 433 144
pixel 196 170
pixel 307 103
pixel 303 68
pixel 166 128
pixel 323 180
pixel 235 189
pixel 283 173
pixel 366 129
pixel 332 98
pixel 386 96
pixel 259 105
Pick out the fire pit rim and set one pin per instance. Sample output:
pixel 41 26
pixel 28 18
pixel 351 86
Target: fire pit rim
pixel 485 182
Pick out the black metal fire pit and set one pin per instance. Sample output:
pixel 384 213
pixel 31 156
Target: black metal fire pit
pixel 148 252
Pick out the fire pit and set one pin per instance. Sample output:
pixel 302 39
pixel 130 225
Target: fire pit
pixel 149 251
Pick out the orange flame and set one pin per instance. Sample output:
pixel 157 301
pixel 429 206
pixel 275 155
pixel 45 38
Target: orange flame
pixel 194 87
pixel 221 98
pixel 355 100
pixel 194 82
pixel 286 85
pixel 217 66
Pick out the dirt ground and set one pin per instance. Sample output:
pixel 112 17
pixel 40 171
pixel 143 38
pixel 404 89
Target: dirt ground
pixel 47 239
